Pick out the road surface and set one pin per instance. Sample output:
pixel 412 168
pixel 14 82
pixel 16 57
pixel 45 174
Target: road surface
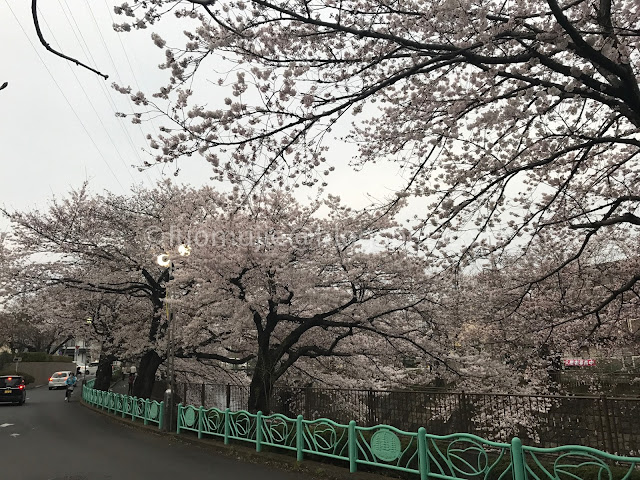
pixel 49 439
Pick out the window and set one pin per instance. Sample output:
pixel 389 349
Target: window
pixel 10 382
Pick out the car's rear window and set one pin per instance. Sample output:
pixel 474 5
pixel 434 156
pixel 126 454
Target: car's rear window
pixel 10 382
pixel 60 375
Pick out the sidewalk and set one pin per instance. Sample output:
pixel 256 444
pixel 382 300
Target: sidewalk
pixel 120 386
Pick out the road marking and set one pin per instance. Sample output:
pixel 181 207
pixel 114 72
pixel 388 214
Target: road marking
pixel 14 435
pixel 6 425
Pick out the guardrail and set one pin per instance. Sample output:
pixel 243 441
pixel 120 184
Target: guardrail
pixel 438 457
pixel 149 411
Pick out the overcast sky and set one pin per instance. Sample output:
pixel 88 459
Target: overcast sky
pixel 57 121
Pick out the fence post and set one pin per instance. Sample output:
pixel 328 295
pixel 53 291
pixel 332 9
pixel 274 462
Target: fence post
pixel 606 420
pixel 299 438
pixel 146 412
pixel 200 420
pixel 466 423
pixel 125 405
pixel 203 395
pixel 307 402
pixel 178 420
pixel 371 418
pixel 259 431
pixel 134 406
pixel 423 454
pixel 517 460
pixel 228 395
pixel 353 447
pixel 227 425
pixel 161 419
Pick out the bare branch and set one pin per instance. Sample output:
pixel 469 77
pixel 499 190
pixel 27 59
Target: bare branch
pixel 626 218
pixel 34 13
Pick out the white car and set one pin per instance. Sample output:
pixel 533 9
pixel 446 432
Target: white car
pixel 58 379
pixel 92 368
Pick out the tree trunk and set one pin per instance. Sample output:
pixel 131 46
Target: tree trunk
pixel 146 374
pixel 261 388
pixel 103 374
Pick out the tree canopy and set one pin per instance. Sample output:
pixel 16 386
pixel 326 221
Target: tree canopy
pixel 514 126
pixel 511 121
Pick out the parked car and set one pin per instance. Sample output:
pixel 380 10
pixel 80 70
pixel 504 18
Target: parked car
pixel 13 389
pixel 58 379
pixel 89 369
pixel 92 368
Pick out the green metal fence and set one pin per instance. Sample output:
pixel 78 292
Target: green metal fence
pixel 149 411
pixel 438 457
pixel 446 457
pixel 604 422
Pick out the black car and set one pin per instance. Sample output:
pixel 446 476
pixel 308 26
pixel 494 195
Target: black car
pixel 13 389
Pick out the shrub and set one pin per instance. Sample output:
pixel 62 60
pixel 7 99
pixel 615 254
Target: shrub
pixel 43 357
pixel 5 359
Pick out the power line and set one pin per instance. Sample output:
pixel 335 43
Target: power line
pixel 113 63
pixel 65 97
pixel 106 130
pixel 105 90
pixel 126 55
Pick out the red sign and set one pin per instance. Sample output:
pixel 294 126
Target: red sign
pixel 579 362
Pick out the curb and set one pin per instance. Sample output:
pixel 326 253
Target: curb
pixel 312 468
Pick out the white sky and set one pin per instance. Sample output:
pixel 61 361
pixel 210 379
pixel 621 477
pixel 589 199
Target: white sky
pixel 57 121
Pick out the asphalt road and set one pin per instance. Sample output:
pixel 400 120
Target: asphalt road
pixel 50 439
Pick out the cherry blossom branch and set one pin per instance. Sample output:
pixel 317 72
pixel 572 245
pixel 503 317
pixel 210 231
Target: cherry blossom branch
pixel 626 218
pixel 36 23
pixel 214 356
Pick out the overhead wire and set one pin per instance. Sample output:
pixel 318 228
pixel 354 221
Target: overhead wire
pixel 105 90
pixel 106 130
pixel 65 97
pixel 113 63
pixel 150 119
pixel 126 55
pixel 133 74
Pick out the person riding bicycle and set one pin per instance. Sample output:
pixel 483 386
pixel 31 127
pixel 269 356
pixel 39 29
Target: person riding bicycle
pixel 70 382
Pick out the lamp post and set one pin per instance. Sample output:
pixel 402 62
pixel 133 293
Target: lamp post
pixel 164 260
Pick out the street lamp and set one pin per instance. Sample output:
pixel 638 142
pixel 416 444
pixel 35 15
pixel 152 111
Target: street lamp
pixel 164 260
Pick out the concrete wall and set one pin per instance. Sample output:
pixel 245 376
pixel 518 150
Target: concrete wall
pixel 41 371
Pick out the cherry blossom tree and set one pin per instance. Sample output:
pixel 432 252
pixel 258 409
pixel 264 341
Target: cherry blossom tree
pixel 282 285
pixel 101 244
pixel 509 120
pixel 531 325
pixel 268 280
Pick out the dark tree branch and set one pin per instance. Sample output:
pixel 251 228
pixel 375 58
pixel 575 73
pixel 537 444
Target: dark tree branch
pixel 626 218
pixel 214 356
pixel 34 13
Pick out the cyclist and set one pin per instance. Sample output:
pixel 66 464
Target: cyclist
pixel 70 382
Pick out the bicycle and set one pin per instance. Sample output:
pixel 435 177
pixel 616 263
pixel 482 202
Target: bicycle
pixel 68 393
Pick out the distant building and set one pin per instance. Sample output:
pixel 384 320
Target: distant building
pixel 78 349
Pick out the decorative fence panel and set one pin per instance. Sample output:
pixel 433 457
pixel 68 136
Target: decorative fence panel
pixel 439 457
pixel 608 423
pixel 149 411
